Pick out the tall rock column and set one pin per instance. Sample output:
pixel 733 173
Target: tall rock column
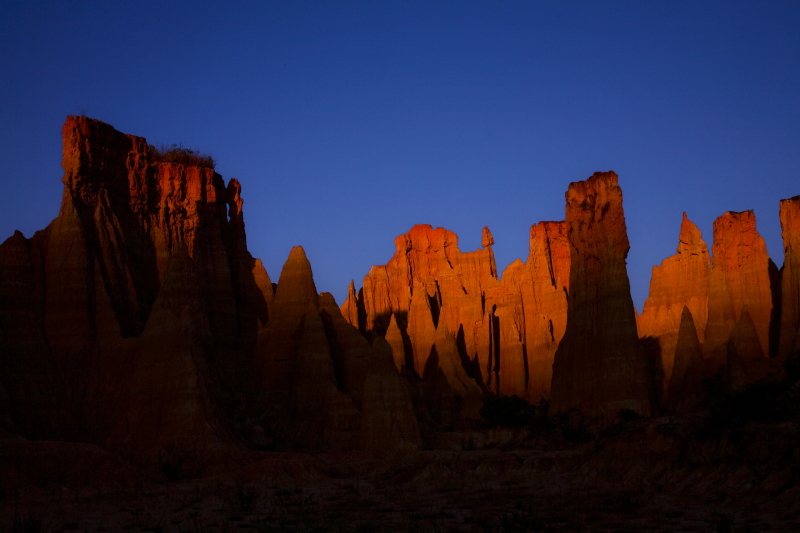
pixel 790 281
pixel 545 302
pixel 597 367
pixel 680 281
pixel 740 278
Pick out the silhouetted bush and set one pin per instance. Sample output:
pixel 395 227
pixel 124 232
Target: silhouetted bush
pixel 507 411
pixel 176 153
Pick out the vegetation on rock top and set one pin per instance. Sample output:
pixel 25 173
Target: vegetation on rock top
pixel 177 153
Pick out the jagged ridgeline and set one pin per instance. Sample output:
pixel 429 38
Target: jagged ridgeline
pixel 138 320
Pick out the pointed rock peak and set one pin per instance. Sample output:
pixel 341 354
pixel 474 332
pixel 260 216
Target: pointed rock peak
pixel 17 238
pixel 392 326
pixel 514 268
pixel 298 256
pixel 349 308
pixel 486 237
pixel 296 284
pixel 262 279
pixel 443 329
pixel 688 366
pixel 687 330
pixel 395 340
pixel 327 301
pixel 691 239
pixel 351 290
pixel 744 338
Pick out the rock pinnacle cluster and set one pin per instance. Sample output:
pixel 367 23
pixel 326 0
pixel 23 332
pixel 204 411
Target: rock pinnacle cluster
pixel 139 321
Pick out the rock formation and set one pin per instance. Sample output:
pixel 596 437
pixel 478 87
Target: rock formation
pixel 456 381
pixel 740 277
pixel 90 279
pixel 506 330
pixel 276 352
pixel 688 369
pixel 158 400
pixel 680 281
pixel 598 369
pixel 790 279
pixel 397 342
pixel 138 320
pixel 543 291
pixel 321 415
pixel 387 413
pixel 315 372
pixel 352 308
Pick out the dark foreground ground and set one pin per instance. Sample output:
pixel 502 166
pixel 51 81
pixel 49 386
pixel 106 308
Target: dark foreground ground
pixel 665 474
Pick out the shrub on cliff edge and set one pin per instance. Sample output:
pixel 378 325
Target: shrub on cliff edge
pixel 176 153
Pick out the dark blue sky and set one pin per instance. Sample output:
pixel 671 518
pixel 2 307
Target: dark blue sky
pixel 347 123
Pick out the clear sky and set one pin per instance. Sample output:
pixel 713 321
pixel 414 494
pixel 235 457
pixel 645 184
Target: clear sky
pixel 349 122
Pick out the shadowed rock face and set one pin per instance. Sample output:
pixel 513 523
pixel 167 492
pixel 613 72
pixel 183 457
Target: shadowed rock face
pixel 680 281
pixel 597 367
pixel 74 291
pixel 790 279
pixel 688 369
pixel 277 349
pixel 316 371
pixel 387 413
pixel 139 320
pixel 740 277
